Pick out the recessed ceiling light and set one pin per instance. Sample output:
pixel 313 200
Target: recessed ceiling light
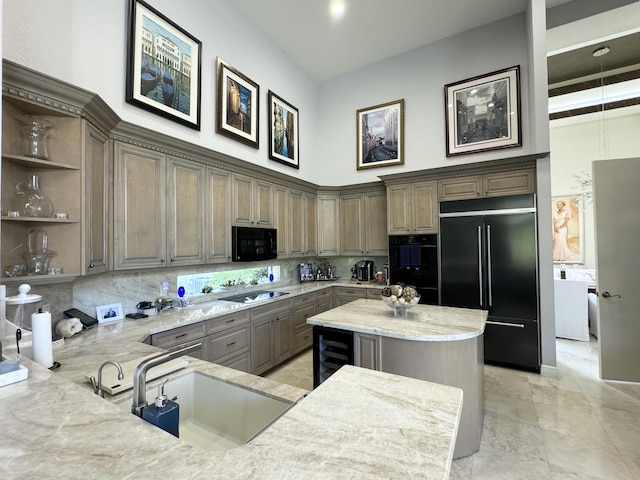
pixel 337 7
pixel 601 51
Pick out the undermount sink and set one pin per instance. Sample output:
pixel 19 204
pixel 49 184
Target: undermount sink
pixel 215 415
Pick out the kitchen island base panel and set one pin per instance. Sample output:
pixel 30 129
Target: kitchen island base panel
pixel 457 364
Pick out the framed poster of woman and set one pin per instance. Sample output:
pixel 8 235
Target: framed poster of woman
pixel 568 231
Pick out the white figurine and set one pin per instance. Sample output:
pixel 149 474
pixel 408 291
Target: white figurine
pixel 68 327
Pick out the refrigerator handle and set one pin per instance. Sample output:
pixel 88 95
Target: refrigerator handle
pixel 489 265
pixel 480 264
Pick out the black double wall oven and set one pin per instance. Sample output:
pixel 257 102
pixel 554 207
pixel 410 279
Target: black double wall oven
pixel 413 260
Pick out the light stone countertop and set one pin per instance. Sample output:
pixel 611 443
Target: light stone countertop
pixel 423 322
pixel 358 424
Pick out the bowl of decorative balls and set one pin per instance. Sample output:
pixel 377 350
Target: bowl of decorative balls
pixel 400 298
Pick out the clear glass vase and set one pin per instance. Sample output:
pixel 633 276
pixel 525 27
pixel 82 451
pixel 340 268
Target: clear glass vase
pixel 31 201
pixel 35 132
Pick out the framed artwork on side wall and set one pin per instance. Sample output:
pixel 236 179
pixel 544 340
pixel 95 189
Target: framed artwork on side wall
pixel 237 112
pixel 380 135
pixel 483 113
pixel 568 229
pixel 284 140
pixel 163 66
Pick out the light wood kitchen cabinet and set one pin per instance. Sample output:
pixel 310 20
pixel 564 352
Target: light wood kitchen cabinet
pixel 345 295
pixel 324 300
pixel 183 337
pixel 158 209
pixel 366 351
pixel 302 223
pixel 363 225
pixel 98 181
pixel 352 220
pixel 271 336
pixel 217 216
pixel 185 212
pixel 328 225
pixel 59 178
pixel 281 220
pixel 252 202
pixel 513 182
pixel 304 306
pixel 227 344
pixel 375 227
pixel 412 208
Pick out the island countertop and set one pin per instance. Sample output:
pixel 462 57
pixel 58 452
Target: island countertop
pixel 423 322
pixel 359 424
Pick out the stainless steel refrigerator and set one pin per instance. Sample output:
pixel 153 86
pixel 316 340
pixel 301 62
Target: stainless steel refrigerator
pixel 488 260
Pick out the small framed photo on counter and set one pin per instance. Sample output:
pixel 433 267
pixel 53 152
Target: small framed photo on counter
pixel 109 313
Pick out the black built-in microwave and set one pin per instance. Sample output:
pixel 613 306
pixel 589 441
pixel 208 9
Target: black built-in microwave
pixel 249 244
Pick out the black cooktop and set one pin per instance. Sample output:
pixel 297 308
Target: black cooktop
pixel 254 296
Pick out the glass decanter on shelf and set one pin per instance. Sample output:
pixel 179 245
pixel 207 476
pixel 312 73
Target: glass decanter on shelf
pixel 31 201
pixel 38 255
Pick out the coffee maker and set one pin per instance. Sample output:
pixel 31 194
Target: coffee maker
pixel 363 271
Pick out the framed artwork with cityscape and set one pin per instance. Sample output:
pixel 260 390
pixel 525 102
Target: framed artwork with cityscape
pixel 380 135
pixel 163 66
pixel 284 143
pixel 483 113
pixel 237 111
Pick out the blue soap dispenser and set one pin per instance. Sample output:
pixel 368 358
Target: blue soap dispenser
pixel 164 413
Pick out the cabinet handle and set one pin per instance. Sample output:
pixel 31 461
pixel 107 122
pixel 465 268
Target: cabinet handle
pixel 91 265
pixel 172 259
pixel 230 321
pixel 162 260
pixel 182 335
pixel 231 344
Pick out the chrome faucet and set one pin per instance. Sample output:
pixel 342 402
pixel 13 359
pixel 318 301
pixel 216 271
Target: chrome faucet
pixel 97 387
pixel 140 374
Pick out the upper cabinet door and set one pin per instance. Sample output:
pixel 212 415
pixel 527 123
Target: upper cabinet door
pixel 252 202
pixel 328 225
pixel 425 207
pixel 139 208
pixel 352 219
pixel 96 200
pixel 375 225
pixel 281 219
pixel 412 208
pixel 185 212
pixel 399 209
pixel 218 216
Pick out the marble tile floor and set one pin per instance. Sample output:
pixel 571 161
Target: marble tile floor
pixel 575 426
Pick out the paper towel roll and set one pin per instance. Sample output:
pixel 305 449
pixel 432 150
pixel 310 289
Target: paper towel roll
pixel 42 345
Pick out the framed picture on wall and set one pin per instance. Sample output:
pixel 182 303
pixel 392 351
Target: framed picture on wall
pixel 163 66
pixel 483 113
pixel 380 135
pixel 237 106
pixel 284 143
pixel 568 228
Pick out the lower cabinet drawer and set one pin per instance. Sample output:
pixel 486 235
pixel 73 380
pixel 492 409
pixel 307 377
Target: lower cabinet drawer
pixel 241 362
pixel 178 336
pixel 303 339
pixel 229 343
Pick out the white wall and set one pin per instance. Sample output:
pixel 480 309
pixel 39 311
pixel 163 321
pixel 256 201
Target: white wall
pixel 84 42
pixel 417 76
pixel 577 142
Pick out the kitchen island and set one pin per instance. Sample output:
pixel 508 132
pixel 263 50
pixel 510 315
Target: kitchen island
pixel 359 424
pixel 439 344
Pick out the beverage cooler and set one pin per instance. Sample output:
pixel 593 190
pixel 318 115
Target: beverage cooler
pixel 332 349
